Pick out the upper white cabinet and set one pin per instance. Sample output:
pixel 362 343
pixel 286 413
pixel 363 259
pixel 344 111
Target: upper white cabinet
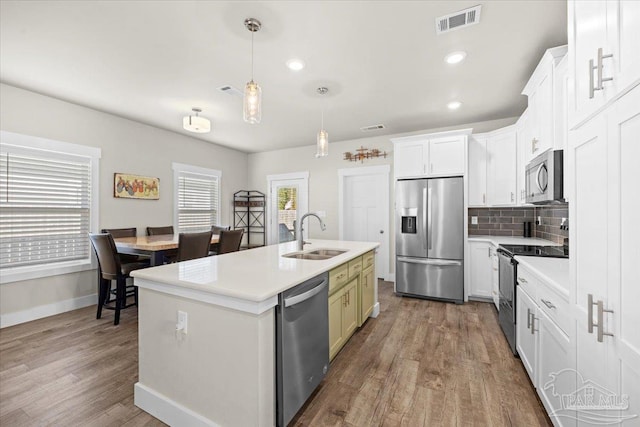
pixel 543 102
pixel 522 141
pixel 439 154
pixel 501 167
pixel 492 168
pixel 604 41
pixel 477 176
pixel 446 156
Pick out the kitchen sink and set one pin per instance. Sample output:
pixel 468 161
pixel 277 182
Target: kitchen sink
pixel 318 254
pixel 300 255
pixel 327 252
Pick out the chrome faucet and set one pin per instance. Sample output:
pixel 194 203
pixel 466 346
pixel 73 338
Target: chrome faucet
pixel 299 228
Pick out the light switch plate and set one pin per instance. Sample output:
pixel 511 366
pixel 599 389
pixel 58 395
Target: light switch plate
pixel 474 220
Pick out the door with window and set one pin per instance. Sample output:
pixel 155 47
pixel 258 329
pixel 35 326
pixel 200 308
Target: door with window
pixel 287 203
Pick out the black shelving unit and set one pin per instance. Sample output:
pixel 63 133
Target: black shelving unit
pixel 249 215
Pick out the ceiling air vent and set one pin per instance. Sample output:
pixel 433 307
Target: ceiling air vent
pixel 372 127
pixel 230 90
pixel 457 20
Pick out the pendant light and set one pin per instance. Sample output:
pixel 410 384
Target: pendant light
pixel 322 141
pixel 195 123
pixel 252 105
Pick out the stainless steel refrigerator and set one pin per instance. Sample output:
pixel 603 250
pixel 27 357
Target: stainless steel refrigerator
pixel 430 238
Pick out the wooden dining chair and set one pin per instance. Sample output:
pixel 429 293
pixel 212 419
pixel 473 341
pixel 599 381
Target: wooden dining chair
pixel 117 233
pixel 110 269
pixel 230 241
pixel 193 245
pixel 155 231
pixel 216 229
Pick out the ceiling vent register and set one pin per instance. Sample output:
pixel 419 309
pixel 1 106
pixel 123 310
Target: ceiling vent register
pixel 372 128
pixel 230 90
pixel 457 20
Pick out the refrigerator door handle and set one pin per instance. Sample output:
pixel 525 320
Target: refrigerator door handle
pixel 424 215
pixel 429 233
pixel 428 261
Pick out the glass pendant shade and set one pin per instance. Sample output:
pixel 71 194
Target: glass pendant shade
pixel 322 148
pixel 252 103
pixel 196 124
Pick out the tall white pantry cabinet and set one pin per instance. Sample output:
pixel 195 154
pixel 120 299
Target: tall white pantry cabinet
pixel 604 166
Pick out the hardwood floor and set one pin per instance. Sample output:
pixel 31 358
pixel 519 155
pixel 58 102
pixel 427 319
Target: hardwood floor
pixel 420 363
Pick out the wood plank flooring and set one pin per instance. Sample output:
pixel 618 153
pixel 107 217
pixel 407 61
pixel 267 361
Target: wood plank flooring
pixel 420 363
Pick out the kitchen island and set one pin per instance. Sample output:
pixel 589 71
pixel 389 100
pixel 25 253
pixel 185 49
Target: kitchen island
pixel 218 367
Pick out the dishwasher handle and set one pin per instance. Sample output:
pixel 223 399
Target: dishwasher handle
pixel 297 299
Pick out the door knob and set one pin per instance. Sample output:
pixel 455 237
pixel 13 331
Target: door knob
pixel 381 231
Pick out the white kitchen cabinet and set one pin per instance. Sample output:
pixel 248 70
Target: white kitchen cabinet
pixel 543 104
pixel 603 216
pixel 501 167
pixel 446 156
pixel 477 176
pixel 554 379
pixel 608 30
pixel 522 141
pixel 527 324
pixel 410 159
pixel 481 270
pixel 495 278
pixel 438 154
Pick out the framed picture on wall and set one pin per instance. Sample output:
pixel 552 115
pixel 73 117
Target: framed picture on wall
pixel 127 186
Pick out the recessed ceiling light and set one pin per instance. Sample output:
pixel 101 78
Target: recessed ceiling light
pixel 454 105
pixel 455 57
pixel 295 64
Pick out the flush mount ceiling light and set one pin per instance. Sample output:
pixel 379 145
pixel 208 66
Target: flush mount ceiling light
pixel 454 105
pixel 455 57
pixel 295 64
pixel 195 123
pixel 322 141
pixel 252 105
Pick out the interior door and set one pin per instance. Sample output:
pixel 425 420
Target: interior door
pixel 365 215
pixel 288 202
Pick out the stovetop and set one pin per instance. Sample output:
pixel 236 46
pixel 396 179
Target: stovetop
pixel 543 251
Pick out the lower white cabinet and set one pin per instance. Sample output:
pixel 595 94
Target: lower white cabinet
pixel 495 278
pixel 545 352
pixel 481 277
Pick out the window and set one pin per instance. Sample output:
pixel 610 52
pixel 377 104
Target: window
pixel 48 206
pixel 197 198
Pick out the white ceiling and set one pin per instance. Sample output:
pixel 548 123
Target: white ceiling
pixel 152 61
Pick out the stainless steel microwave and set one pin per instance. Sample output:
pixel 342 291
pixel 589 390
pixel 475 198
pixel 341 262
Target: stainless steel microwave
pixel 544 178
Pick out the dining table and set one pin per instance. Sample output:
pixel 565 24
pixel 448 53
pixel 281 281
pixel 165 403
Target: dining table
pixel 155 247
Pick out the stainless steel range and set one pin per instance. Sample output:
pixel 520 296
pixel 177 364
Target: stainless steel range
pixel 508 281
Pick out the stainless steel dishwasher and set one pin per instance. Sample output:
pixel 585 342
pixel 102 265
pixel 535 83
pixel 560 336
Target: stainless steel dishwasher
pixel 302 344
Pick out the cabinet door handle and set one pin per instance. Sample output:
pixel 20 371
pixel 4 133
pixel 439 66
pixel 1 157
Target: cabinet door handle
pixel 548 303
pixel 591 85
pixel 512 195
pixel 590 305
pixel 489 252
pixel 534 142
pixel 600 78
pixel 528 318
pixel 601 311
pixel 522 280
pixel 484 198
pixel 533 324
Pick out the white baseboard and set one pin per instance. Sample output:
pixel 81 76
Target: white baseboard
pixel 391 277
pixel 166 410
pixel 47 310
pixel 376 310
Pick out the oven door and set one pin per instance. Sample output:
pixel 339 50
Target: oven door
pixel 507 303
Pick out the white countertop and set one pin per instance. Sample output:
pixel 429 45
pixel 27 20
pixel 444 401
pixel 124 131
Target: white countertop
pixel 554 271
pixel 508 240
pixel 254 276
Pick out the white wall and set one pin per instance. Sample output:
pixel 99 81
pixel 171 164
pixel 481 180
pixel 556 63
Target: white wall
pixel 127 146
pixel 323 172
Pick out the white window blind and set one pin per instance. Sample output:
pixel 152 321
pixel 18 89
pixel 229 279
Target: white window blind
pixel 45 207
pixel 198 201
